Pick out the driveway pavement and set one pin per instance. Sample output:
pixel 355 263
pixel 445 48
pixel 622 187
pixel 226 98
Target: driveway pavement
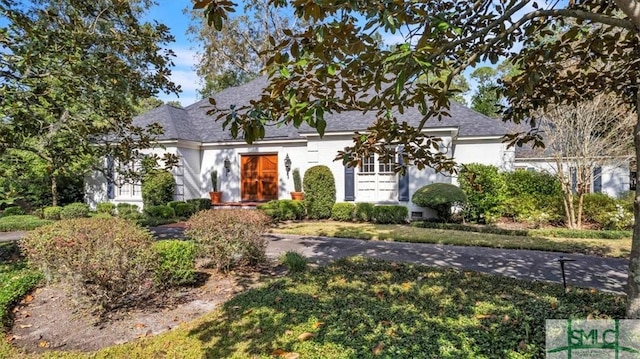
pixel 607 274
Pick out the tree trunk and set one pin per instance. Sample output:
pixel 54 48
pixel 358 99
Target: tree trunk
pixel 579 214
pixel 633 281
pixel 54 191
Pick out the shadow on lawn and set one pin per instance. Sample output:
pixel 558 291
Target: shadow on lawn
pixel 356 305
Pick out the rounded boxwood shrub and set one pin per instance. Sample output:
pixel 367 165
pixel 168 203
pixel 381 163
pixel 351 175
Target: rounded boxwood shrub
pixel 176 263
pixel 184 209
pixel 52 212
pixel 109 263
pixel 343 212
pixel 271 209
pixel 162 211
pixel 597 208
pixel 158 187
pixel 13 211
pixel 106 207
pixel 319 192
pixel 74 210
pixel 228 237
pixel 290 209
pixel 364 211
pixel 440 197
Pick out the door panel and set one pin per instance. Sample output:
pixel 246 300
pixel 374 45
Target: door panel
pixel 259 177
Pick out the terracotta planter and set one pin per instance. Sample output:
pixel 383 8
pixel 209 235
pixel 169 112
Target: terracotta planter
pixel 297 196
pixel 216 197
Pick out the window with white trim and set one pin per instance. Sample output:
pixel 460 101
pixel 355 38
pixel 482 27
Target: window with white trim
pixel 376 181
pixel 127 189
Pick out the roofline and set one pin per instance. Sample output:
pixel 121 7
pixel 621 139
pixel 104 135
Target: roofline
pixel 452 129
pixel 242 143
pixel 475 138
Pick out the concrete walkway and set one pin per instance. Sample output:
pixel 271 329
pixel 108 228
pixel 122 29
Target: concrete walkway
pixel 607 274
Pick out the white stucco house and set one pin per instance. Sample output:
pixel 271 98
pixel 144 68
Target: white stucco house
pixel 257 172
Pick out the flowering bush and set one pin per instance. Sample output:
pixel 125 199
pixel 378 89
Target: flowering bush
pixel 227 237
pixel 110 263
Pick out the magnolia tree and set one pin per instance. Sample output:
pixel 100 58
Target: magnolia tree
pixel 326 66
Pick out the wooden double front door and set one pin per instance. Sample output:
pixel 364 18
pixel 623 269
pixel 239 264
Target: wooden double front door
pixel 259 177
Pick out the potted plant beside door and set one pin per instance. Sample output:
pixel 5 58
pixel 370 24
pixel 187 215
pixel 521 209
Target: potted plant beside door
pixel 216 197
pixel 297 195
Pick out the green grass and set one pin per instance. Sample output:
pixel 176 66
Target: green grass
pixel 16 280
pixel 357 306
pixel 619 248
pixel 21 223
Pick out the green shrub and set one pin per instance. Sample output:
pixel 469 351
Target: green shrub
pixel 176 263
pixel 343 212
pixel 162 211
pixel 580 233
pixel 13 211
pixel 486 191
pixel 532 183
pixel 23 222
pixel 38 212
pixel 290 210
pixel 106 207
pixel 282 210
pixel 597 208
pixel 294 261
pixel 52 212
pixel 319 192
pixel 75 210
pixel 200 204
pixel 364 211
pixel 173 204
pixel 158 187
pixel 129 211
pixel 440 197
pixel 227 237
pixel 109 263
pixel 184 209
pixel 469 228
pixel 271 209
pixel 390 214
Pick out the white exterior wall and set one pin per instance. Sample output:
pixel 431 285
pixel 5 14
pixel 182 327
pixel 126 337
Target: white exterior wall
pixel 615 179
pixel 213 157
pixel 190 172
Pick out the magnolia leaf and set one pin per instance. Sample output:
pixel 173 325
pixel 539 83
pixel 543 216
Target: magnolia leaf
pixel 305 336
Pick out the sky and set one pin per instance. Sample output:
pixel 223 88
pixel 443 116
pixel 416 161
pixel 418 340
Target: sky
pixel 170 13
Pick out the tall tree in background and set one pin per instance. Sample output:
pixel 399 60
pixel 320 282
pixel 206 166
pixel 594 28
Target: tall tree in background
pixel 337 52
pixel 72 74
pixel 238 52
pixel 485 99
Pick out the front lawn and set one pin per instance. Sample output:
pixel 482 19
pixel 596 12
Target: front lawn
pixel 362 308
pixel 619 248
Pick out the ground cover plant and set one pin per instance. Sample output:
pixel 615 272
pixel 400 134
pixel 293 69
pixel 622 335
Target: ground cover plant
pixel 16 280
pixel 554 242
pixel 362 308
pixel 21 223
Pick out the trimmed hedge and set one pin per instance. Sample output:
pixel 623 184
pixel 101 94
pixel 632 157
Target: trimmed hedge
pixel 319 192
pixel 184 209
pixel 364 211
pixel 283 210
pixel 52 212
pixel 106 207
pixel 200 204
pixel 13 211
pixel 22 222
pixel 486 191
pixel 469 228
pixel 343 212
pixel 390 214
pixel 162 211
pixel 75 210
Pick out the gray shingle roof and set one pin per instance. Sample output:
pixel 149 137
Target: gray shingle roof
pixel 192 122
